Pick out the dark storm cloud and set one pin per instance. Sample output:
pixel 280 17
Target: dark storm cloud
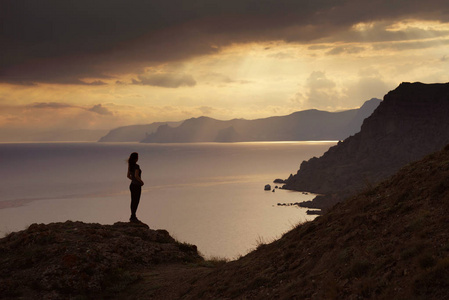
pixel 59 70
pixel 65 41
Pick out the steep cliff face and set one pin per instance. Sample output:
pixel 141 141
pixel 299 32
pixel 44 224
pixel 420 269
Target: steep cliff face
pixel 412 121
pixel 362 113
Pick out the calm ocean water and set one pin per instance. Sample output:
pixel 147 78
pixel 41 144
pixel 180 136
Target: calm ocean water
pixel 210 194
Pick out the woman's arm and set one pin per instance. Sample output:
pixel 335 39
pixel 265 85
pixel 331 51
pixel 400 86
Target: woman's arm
pixel 129 175
pixel 136 175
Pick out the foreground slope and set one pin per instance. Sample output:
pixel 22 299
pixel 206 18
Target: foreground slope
pixel 389 242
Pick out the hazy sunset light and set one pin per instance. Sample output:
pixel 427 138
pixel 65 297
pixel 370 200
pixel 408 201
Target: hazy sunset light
pixel 99 64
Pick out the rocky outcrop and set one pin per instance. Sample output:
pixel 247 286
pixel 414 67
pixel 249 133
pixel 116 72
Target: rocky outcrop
pixel 308 125
pixel 75 259
pixel 411 121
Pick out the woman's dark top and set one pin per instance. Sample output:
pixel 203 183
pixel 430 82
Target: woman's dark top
pixel 132 171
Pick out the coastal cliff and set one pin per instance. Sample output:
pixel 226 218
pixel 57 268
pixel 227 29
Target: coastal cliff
pixel 411 121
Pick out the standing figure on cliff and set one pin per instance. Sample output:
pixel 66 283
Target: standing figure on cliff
pixel 134 174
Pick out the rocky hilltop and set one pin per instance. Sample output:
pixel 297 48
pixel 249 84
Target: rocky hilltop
pixel 411 121
pixel 308 125
pixel 74 259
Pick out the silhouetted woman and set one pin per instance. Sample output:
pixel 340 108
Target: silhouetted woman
pixel 134 173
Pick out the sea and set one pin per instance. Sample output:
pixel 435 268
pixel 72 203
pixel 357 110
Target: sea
pixel 207 194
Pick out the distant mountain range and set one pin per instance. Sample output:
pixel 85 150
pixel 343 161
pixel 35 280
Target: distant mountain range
pixel 133 133
pixel 305 125
pixel 299 126
pixel 411 121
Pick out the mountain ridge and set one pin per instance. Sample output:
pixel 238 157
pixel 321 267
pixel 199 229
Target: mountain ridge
pixel 304 125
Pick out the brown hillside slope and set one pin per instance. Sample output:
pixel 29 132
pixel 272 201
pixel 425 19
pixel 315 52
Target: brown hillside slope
pixel 390 242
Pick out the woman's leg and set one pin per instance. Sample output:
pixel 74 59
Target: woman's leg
pixel 136 191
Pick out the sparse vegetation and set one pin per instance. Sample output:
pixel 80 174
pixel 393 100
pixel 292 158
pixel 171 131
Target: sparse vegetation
pixel 260 242
pixel 214 261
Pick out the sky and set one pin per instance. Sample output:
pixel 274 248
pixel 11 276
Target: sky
pixel 84 64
